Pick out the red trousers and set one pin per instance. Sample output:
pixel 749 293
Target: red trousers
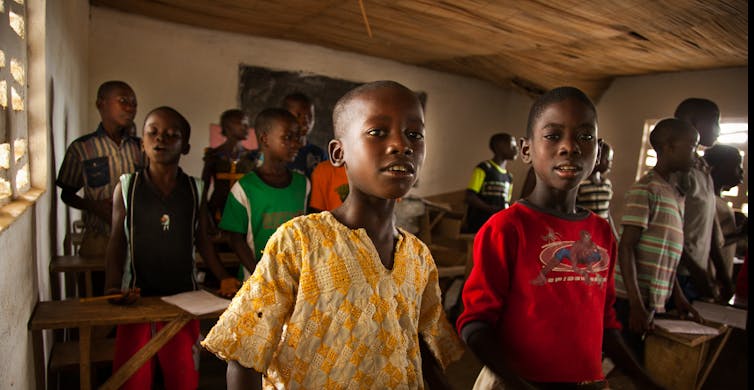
pixel 176 357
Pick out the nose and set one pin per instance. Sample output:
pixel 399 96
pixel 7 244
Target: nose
pixel 569 145
pixel 399 143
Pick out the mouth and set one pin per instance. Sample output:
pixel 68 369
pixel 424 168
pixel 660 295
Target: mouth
pixel 568 170
pixel 400 169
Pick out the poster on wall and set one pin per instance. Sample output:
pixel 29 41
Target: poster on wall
pixel 261 88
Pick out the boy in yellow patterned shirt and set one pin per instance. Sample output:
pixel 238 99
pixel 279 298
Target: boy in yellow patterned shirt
pixel 344 299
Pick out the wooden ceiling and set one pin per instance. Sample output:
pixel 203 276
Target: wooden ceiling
pixel 529 45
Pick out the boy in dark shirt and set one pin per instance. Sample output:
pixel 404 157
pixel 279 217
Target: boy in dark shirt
pixel 157 219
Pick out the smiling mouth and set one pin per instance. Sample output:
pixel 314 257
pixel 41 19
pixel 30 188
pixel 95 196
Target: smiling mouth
pixel 400 169
pixel 567 169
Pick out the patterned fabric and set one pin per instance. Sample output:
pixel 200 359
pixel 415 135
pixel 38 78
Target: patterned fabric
pixel 595 196
pixel 699 214
pixel 656 207
pixel 544 283
pixel 257 209
pixel 329 186
pixel 94 162
pixel 322 312
pixel 307 158
pixel 494 185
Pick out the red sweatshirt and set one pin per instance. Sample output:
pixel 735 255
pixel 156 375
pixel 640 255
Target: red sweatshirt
pixel 549 325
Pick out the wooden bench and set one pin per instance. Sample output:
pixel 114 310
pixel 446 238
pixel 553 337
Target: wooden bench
pixel 76 264
pixel 66 354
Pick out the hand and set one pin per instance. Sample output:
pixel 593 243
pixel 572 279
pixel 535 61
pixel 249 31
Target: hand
pixel 229 287
pixel 726 292
pixel 686 311
pixel 639 319
pixel 127 297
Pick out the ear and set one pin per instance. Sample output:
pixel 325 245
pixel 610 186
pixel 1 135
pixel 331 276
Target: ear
pixel 186 148
pixel 335 150
pixel 98 103
pixel 524 147
pixel 262 139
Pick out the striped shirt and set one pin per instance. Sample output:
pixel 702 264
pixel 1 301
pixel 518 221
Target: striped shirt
pixel 656 207
pixel 94 162
pixel 595 196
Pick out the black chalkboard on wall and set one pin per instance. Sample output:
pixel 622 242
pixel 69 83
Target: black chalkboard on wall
pixel 260 88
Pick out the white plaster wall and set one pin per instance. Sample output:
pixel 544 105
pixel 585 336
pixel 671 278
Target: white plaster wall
pixel 58 36
pixel 196 71
pixel 632 100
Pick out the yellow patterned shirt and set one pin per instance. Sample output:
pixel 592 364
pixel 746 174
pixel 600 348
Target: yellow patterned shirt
pixel 322 312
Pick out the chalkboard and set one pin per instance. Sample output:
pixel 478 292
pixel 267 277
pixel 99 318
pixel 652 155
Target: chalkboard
pixel 260 88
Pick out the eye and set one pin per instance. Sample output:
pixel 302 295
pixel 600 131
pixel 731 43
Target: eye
pixel 586 137
pixel 551 137
pixel 376 132
pixel 418 135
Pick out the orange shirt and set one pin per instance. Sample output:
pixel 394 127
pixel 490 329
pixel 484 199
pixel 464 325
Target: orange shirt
pixel 329 186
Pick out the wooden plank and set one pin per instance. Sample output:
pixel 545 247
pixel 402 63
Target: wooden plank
pixel 66 354
pixel 71 313
pixel 85 349
pixel 76 263
pixel 145 353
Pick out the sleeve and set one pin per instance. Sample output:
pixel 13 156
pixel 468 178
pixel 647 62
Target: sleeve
pixel 611 318
pixel 250 328
pixel 236 213
pixel 477 178
pixel 433 325
pixel 319 188
pixel 71 174
pixel 487 286
pixel 637 207
pixel 510 189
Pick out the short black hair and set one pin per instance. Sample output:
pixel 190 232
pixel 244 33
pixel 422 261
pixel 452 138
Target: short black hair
pixel 297 97
pixel 556 95
pixel 339 111
pixel 266 119
pixel 227 115
pixel 719 154
pixel 693 108
pixel 183 123
pixel 106 87
pixel 666 131
pixel 498 138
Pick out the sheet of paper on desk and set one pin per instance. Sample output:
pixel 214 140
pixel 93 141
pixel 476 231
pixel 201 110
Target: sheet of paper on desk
pixel 686 327
pixel 727 315
pixel 198 302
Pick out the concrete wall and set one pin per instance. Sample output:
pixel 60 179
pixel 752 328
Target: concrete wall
pixel 58 36
pixel 196 71
pixel 632 100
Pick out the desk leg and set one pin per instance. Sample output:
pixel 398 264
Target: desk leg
pixel 145 353
pixel 39 359
pixel 712 361
pixel 88 284
pixel 85 351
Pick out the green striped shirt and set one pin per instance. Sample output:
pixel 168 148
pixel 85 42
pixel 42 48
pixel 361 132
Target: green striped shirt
pixel 655 206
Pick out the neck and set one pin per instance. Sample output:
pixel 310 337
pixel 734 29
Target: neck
pixel 273 167
pixel 663 170
pixel 718 189
pixel 163 176
pixel 114 131
pixel 375 215
pixel 500 161
pixel 563 202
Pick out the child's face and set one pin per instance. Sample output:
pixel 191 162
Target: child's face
pixel 563 145
pixel 730 173
pixel 237 128
pixel 708 126
pixel 681 152
pixel 282 142
pixel 118 107
pixel 383 144
pixel 304 114
pixel 506 149
pixel 163 140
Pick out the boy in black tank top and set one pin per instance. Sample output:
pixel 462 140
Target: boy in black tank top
pixel 157 219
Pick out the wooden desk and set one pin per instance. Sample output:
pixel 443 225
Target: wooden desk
pixel 84 315
pixel 77 263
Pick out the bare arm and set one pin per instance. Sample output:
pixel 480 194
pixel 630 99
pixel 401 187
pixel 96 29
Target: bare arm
pixel 721 272
pixel 431 370
pixel 639 318
pixel 228 284
pixel 242 250
pixel 239 377
pixel 485 345
pixel 100 208
pixel 699 276
pixel 115 254
pixel 472 199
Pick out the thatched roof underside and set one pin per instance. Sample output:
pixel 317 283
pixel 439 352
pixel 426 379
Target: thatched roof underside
pixel 528 45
